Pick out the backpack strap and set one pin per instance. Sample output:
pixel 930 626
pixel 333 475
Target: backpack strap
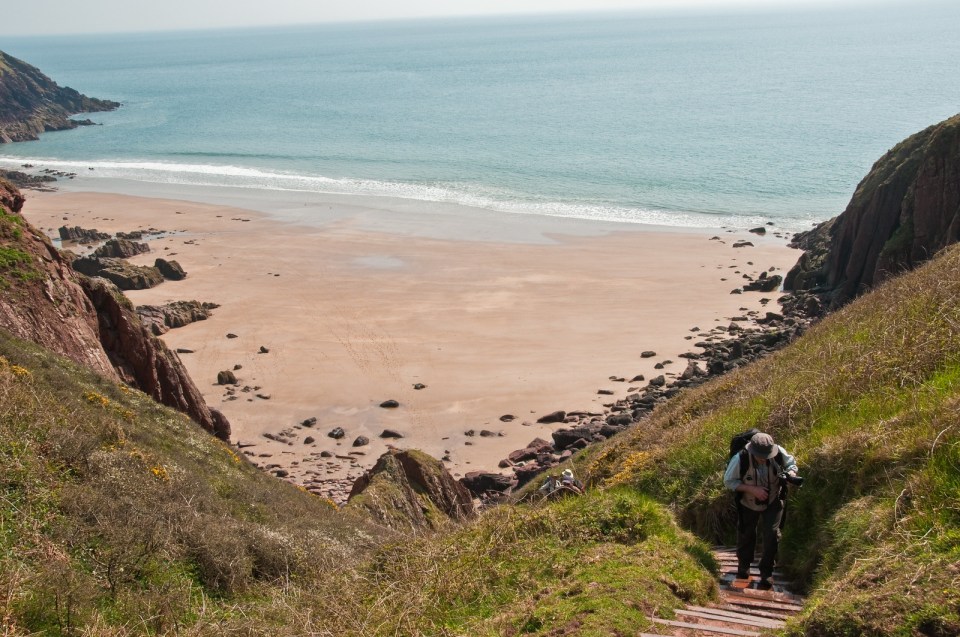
pixel 744 463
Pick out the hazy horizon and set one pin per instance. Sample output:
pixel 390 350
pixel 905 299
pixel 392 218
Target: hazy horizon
pixel 56 17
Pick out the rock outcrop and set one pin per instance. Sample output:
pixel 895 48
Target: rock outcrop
pixel 81 235
pixel 902 213
pixel 410 489
pixel 120 249
pixel 31 103
pixel 125 276
pixel 144 361
pixel 162 318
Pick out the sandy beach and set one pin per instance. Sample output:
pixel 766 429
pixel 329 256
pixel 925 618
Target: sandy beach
pixel 512 314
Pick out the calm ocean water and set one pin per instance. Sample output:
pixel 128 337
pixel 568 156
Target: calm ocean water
pixel 684 119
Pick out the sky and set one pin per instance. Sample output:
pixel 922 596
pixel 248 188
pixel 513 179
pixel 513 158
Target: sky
pixel 42 17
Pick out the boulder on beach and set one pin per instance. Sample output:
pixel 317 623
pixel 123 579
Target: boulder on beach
pixel 337 433
pixel 226 377
pixel 556 416
pixel 121 249
pixel 361 441
pixel 124 275
pixel 170 269
pixel 390 404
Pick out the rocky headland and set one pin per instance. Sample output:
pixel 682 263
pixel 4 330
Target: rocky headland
pixel 902 213
pixel 31 103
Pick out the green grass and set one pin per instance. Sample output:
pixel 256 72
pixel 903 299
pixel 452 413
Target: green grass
pixel 594 565
pixel 110 513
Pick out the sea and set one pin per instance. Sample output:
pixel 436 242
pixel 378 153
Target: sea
pixel 695 118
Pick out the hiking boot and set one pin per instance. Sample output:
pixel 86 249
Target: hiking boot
pixel 765 584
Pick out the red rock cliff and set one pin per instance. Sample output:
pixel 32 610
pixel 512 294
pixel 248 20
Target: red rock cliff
pixel 904 211
pixel 87 320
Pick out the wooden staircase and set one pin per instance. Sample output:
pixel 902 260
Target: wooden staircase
pixel 743 609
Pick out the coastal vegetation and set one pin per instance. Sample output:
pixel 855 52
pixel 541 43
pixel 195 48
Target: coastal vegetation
pixel 120 516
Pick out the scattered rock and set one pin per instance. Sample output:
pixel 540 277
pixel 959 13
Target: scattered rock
pixel 226 377
pixel 507 418
pixel 648 354
pixel 390 433
pixel 360 441
pixel 390 404
pixel 419 386
pixel 309 422
pixel 337 433
pixel 264 350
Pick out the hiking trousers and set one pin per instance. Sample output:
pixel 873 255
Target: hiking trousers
pixel 769 521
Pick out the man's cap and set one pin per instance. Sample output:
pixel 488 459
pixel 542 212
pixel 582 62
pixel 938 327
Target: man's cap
pixel 762 446
pixel 567 473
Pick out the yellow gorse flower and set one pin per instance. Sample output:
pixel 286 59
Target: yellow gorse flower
pixel 97 399
pixel 160 473
pixel 633 464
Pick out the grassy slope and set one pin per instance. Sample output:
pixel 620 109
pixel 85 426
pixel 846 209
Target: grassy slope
pixel 118 512
pixel 869 401
pixel 119 516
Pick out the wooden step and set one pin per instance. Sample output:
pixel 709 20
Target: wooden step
pixel 738 613
pixel 752 602
pixel 770 596
pixel 705 627
pixel 731 618
pixel 753 611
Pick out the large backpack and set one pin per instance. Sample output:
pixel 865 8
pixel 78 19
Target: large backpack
pixel 738 446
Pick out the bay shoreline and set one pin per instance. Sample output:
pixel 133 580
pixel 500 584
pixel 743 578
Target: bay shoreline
pixel 359 300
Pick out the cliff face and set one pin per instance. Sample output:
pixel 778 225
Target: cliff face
pixel 87 320
pixel 144 361
pixel 31 103
pixel 904 211
pixel 41 300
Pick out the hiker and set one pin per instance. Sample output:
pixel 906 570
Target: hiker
pixel 569 482
pixel 754 474
pixel 551 484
